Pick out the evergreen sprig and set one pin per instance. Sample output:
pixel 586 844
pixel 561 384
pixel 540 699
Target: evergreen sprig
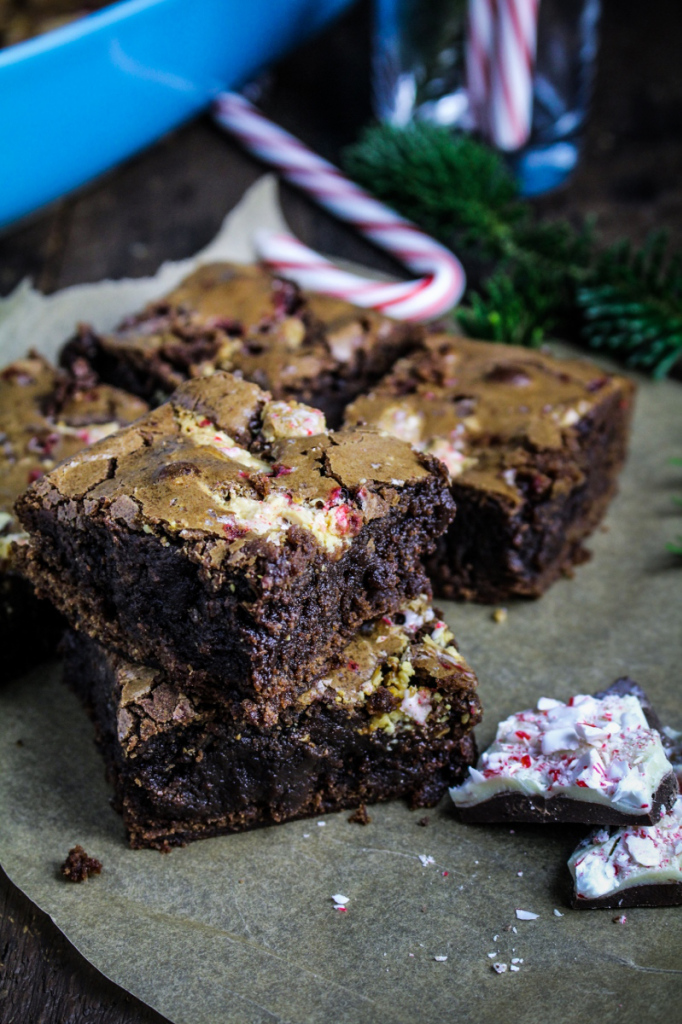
pixel 632 303
pixel 527 277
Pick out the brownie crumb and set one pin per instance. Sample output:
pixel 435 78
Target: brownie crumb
pixel 78 866
pixel 423 821
pixel 360 816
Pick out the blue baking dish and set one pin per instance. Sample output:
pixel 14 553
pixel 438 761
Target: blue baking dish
pixel 80 99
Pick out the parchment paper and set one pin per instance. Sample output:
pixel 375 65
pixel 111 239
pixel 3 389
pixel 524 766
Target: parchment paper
pixel 242 928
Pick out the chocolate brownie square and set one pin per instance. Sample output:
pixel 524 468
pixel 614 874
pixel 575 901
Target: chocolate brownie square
pixel 245 320
pixel 233 540
pixel 45 416
pixel 533 445
pixel 392 718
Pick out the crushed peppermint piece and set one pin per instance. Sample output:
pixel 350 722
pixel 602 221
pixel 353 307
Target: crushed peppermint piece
pixel 321 824
pixel 517 960
pixel 620 920
pixel 440 959
pixel 306 835
pixel 514 928
pixel 426 859
pixel 495 938
pixel 514 967
pixel 491 955
pixel 520 874
pixel 557 913
pixel 499 968
pixel 526 915
pixel 340 899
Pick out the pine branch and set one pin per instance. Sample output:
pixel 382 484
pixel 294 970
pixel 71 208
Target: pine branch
pixel 632 305
pixel 527 278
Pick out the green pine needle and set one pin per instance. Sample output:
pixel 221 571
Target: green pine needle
pixel 527 277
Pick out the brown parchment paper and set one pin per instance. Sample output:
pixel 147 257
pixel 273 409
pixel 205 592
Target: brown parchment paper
pixel 242 928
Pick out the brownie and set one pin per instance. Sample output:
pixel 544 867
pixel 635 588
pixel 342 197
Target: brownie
pixel 630 866
pixel 596 760
pixel 45 416
pixel 243 319
pixel 533 444
pixel 232 540
pixel 393 718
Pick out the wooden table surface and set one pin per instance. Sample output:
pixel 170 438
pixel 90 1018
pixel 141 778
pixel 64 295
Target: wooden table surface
pixel 168 202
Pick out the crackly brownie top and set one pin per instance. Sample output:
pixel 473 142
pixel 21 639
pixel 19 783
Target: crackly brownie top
pixel 243 319
pixel 45 417
pixel 397 673
pixel 482 408
pixel 224 465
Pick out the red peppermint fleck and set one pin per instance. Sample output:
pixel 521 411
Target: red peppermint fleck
pixel 333 497
pixel 35 474
pixel 353 666
pixel 279 470
pixel 445 874
pixel 582 784
pixel 243 474
pixel 342 910
pixel 232 530
pixel 525 761
pixel 386 620
pixel 205 423
pixel 522 735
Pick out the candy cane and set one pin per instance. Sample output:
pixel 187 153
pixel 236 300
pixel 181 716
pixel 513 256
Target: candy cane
pixel 511 82
pixel 443 283
pixel 479 54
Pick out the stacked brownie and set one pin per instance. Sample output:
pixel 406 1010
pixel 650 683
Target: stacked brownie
pixel 46 416
pixel 252 628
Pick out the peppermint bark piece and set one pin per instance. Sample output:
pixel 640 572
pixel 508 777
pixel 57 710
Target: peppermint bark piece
pixel 232 540
pixel 630 866
pixel 594 760
pixel 393 718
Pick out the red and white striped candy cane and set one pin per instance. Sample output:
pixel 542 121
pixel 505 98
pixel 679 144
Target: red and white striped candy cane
pixel 443 283
pixel 479 53
pixel 501 47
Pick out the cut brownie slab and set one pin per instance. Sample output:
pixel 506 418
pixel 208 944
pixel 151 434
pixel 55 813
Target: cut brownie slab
pixel 392 719
pixel 595 760
pixel 45 416
pixel 533 444
pixel 630 866
pixel 233 541
pixel 243 319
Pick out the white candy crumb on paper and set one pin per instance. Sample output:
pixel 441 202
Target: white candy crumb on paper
pixel 340 899
pixel 440 959
pixel 426 860
pixel 321 824
pixel 306 835
pixel 491 955
pixel 517 960
pixel 620 920
pixel 520 874
pixel 499 968
pixel 495 938
pixel 526 915
pixel 514 968
pixel 557 913
pixel 514 930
